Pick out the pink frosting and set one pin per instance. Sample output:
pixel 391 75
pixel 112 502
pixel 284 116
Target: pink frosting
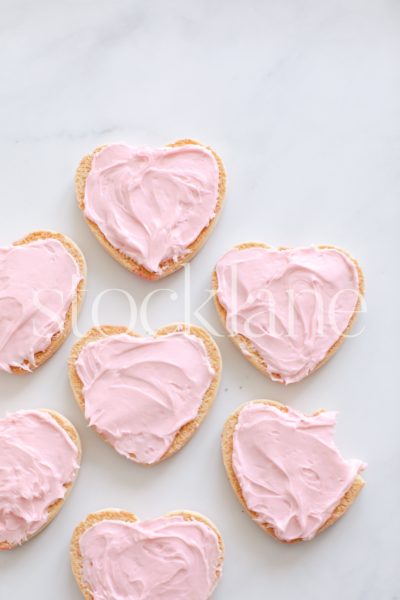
pixel 289 469
pixel 152 204
pixel 139 392
pixel 293 305
pixel 37 460
pixel 168 558
pixel 38 283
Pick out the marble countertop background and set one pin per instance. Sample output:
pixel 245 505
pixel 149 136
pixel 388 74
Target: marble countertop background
pixel 301 98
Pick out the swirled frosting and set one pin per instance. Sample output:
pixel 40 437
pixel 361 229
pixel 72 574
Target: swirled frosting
pixel 289 470
pixel 168 558
pixel 292 305
pixel 38 283
pixel 151 204
pixel 37 460
pixel 139 392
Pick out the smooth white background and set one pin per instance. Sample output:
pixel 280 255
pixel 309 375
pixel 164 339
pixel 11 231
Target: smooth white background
pixel 301 99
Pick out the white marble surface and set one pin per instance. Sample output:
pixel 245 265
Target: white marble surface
pixel 301 99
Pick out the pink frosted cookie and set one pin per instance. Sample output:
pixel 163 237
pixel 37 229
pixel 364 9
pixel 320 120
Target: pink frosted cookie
pixel 286 469
pixel 288 310
pixel 42 286
pixel 178 556
pixel 145 396
pixel 151 208
pixel 40 454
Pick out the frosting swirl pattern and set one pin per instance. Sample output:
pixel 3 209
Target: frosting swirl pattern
pixel 38 283
pixel 169 558
pixel 37 460
pixel 292 305
pixel 151 204
pixel 289 470
pixel 139 392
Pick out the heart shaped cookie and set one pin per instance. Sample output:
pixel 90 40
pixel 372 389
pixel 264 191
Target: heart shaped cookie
pixel 40 453
pixel 175 557
pixel 42 284
pixel 288 310
pixel 286 469
pixel 152 209
pixel 145 396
